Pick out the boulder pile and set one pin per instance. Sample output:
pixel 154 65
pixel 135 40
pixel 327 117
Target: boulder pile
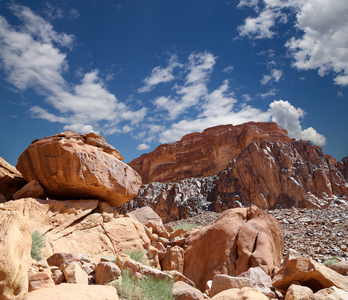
pixel 69 229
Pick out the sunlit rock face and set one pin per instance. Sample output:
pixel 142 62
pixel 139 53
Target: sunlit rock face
pixel 203 154
pixel 70 165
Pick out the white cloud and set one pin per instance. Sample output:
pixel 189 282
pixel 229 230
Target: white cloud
pixel 142 147
pixel 276 75
pixel 159 75
pixel 194 89
pixel 228 69
pixel 31 59
pixel 289 117
pixel 261 26
pixel 272 92
pixel 265 79
pixel 323 25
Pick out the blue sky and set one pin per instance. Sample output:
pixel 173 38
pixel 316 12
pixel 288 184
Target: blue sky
pixel 143 73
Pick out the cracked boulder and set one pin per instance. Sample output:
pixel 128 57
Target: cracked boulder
pixel 74 166
pixel 81 226
pixel 237 240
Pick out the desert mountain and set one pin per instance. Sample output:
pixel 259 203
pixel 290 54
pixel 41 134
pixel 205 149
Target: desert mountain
pixel 236 166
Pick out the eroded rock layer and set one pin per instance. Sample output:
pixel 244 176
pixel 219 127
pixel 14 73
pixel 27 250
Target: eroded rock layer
pixel 203 154
pixel 268 174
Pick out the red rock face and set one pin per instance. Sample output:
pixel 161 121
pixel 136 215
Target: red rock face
pixel 236 241
pixel 280 174
pixel 203 154
pixel 70 165
pixel 269 174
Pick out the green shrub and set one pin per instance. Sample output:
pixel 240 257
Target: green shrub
pixel 332 260
pixel 137 255
pixel 147 288
pixel 38 242
pixel 185 226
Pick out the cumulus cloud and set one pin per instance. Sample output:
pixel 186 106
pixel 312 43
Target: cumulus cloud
pixel 198 70
pixel 323 26
pixel 289 117
pixel 275 76
pixel 159 75
pixel 31 58
pixel 142 147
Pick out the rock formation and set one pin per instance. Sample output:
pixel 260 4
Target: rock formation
pixel 239 239
pixel 69 224
pixel 267 174
pixel 15 260
pixel 69 165
pixel 11 180
pixel 203 154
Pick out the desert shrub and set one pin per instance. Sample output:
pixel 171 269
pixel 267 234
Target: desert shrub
pixel 332 260
pixel 185 226
pixel 147 288
pixel 38 242
pixel 137 255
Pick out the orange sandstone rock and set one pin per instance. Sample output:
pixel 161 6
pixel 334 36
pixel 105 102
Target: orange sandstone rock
pixel 69 165
pixel 237 240
pixel 203 154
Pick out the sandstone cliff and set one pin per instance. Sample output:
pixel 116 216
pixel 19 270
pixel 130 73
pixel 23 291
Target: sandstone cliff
pixel 270 174
pixel 203 154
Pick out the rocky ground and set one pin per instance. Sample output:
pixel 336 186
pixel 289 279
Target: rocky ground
pixel 319 234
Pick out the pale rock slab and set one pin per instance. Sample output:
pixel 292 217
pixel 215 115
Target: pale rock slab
pixel 15 259
pixel 66 291
pixel 245 293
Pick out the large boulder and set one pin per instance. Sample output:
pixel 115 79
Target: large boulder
pixel 15 260
pixel 237 240
pixel 70 165
pixel 203 154
pixel 80 226
pixel 11 179
pixel 309 273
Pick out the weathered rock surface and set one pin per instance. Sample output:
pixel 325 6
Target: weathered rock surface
pixel 175 200
pixel 309 273
pixel 245 293
pixel 39 281
pixel 69 224
pixel 69 165
pixel 268 174
pixel 224 282
pixel 203 154
pixel 183 291
pixel 15 260
pixel 11 179
pixel 33 189
pixel 342 166
pixel 279 174
pixel 237 240
pixel 106 272
pixel 66 291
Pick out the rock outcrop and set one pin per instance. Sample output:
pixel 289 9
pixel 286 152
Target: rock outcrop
pixel 267 174
pixel 11 179
pixel 69 224
pixel 203 154
pixel 15 260
pixel 70 165
pixel 237 240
